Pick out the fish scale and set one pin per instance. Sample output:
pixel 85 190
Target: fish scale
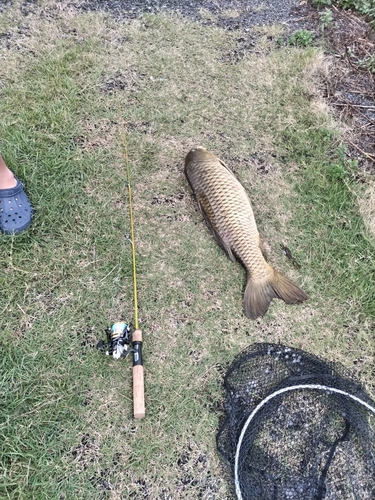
pixel 227 210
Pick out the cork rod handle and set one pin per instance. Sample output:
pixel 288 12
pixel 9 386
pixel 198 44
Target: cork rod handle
pixel 138 376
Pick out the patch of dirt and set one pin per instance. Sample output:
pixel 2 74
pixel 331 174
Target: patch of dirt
pixel 229 14
pixel 122 80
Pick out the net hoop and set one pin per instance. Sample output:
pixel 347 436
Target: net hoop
pixel 273 395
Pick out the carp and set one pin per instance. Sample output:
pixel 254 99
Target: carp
pixel 226 208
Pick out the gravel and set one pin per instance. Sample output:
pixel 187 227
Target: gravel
pixel 229 14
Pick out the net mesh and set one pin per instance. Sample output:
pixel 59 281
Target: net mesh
pixel 303 443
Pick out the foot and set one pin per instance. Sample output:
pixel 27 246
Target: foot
pixel 7 179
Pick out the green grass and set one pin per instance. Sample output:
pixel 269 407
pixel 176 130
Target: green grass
pixel 66 425
pixel 348 259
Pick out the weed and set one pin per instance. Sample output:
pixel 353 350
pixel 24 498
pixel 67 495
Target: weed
pixel 367 63
pixel 301 38
pixel 364 7
pixel 321 3
pixel 326 18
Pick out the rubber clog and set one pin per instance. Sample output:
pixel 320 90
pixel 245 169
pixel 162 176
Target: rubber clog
pixel 16 211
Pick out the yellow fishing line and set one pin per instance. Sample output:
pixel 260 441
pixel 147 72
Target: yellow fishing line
pixel 131 232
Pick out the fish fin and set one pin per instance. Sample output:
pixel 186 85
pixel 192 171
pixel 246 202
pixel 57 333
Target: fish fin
pixel 227 248
pixel 226 166
pixel 208 215
pixel 286 289
pixel 259 294
pixel 262 249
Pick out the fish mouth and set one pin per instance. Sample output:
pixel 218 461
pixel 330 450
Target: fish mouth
pixel 198 154
pixel 196 149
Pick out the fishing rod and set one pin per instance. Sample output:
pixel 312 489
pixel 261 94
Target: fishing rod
pixel 119 336
pixel 138 376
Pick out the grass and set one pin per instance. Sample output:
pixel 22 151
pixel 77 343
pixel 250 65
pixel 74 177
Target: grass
pixel 67 91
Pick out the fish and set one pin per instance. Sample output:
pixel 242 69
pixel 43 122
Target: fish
pixel 226 208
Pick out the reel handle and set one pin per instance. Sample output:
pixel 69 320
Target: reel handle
pixel 138 376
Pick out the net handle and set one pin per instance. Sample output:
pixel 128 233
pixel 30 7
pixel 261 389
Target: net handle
pixel 273 395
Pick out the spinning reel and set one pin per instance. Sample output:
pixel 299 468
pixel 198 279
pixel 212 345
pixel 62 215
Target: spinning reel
pixel 119 338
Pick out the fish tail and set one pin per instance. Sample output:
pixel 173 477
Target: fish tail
pixel 259 294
